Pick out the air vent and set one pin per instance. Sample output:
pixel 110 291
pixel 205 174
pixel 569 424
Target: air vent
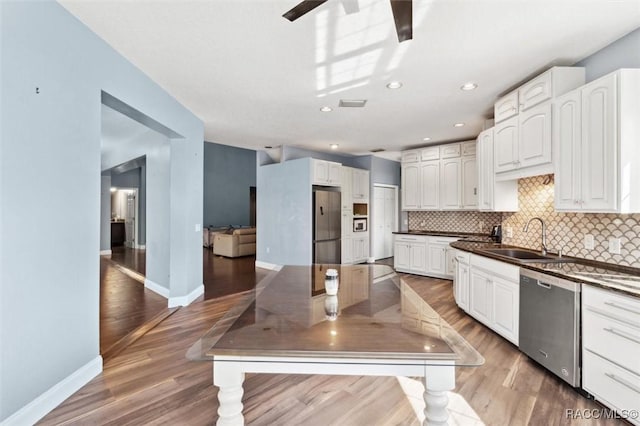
pixel 352 103
pixel 377 150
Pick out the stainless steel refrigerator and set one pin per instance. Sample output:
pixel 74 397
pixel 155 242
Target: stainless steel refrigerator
pixel 326 226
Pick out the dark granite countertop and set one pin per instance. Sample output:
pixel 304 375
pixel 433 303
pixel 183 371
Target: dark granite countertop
pixel 472 236
pixel 622 279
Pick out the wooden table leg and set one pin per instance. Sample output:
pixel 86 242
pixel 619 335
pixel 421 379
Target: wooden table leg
pixel 438 380
pixel 229 378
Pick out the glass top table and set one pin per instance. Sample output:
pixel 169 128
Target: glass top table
pixel 376 324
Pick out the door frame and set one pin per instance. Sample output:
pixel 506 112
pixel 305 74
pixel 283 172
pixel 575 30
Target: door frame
pixel 373 216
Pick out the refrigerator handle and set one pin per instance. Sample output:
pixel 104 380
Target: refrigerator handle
pixel 321 211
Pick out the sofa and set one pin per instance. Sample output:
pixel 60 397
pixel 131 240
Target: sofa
pixel 235 243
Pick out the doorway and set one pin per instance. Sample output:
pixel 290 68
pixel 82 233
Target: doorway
pixel 124 214
pixel 384 219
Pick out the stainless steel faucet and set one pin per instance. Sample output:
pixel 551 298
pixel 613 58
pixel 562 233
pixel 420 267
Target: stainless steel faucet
pixel 543 251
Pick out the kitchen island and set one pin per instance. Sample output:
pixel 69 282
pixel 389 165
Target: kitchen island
pixel 375 325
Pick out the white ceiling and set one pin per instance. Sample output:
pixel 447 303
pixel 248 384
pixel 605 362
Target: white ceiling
pixel 256 79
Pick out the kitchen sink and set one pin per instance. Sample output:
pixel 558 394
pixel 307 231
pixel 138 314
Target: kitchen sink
pixel 526 255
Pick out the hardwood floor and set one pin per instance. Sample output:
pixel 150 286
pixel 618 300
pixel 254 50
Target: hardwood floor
pixel 133 259
pixel 223 276
pixel 125 305
pixel 152 382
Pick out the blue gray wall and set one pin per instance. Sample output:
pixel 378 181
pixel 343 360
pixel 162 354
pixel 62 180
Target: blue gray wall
pixel 229 172
pixel 49 315
pixel 622 53
pixel 284 222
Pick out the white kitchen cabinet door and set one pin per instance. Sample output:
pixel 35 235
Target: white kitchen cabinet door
pixel 469 183
pixel 450 178
pixel 346 248
pixel 451 150
pixel 506 308
pixel 429 185
pixel 505 145
pixel 418 257
pixel 326 173
pixel 506 107
pixel 450 261
pixel 411 186
pixel 335 173
pixel 481 297
pixel 567 137
pixel 461 283
pixel 430 153
pixel 360 184
pixel 410 156
pixel 402 256
pixel 345 188
pixel 534 146
pixel 599 145
pixel 486 175
pixel 436 258
pixel 360 249
pixel 346 223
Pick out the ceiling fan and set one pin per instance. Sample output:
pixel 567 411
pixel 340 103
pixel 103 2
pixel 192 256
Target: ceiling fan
pixel 402 14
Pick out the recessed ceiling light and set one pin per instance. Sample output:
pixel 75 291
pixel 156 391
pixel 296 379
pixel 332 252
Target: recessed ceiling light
pixel 334 146
pixel 426 139
pixel 394 85
pixel 469 86
pixel 458 125
pixel 326 109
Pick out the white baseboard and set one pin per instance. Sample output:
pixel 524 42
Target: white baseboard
pixel 42 405
pixel 371 260
pixel 156 288
pixel 105 252
pixel 269 266
pixel 141 246
pixel 186 300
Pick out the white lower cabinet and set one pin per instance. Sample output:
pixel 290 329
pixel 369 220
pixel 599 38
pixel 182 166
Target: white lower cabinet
pixel 611 348
pixel 360 249
pixel 461 280
pixel 424 255
pixel 489 291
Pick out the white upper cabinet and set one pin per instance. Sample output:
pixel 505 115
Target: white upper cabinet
pixel 492 195
pixel 506 107
pixel 469 184
pixel 411 156
pixel 444 179
pixel 450 178
pixel 534 146
pixel 430 185
pixel 505 142
pixel 360 184
pixel 345 188
pixel 596 132
pixel 326 173
pixel 411 186
pixel 522 138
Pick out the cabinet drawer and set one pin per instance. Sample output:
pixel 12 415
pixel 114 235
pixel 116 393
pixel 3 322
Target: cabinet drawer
pixel 410 156
pixel 495 267
pixel 611 304
pixel 610 384
pixel 613 340
pixel 468 148
pixel 411 239
pixel 450 151
pixel 506 107
pixel 462 256
pixel 535 91
pixel 431 153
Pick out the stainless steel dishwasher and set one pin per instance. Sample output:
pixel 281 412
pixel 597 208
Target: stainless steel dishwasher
pixel 550 323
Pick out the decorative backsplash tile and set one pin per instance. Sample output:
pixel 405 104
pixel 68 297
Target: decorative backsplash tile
pixel 567 230
pixel 564 230
pixel 464 221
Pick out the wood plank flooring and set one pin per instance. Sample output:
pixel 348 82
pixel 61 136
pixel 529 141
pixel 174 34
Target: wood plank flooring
pixel 152 382
pixel 223 276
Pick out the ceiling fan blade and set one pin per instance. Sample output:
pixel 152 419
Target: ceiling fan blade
pixel 302 8
pixel 403 16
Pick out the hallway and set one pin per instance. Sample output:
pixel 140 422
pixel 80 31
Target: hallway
pixel 128 310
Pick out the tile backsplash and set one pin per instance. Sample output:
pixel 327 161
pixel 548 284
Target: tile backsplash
pixel 564 230
pixel 452 221
pixel 567 230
